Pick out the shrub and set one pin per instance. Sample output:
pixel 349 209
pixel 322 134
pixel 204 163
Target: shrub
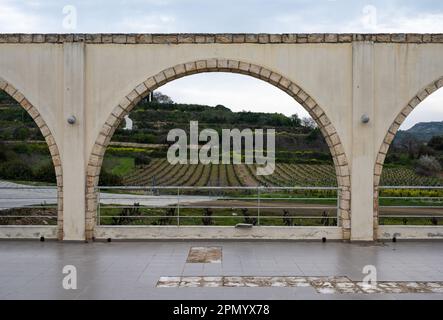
pixel 125 213
pixel 3 156
pixel 168 218
pixel 436 143
pixel 16 170
pixel 46 173
pixel 21 148
pixel 142 159
pixel 109 179
pixel 21 133
pixel 427 166
pixel 207 217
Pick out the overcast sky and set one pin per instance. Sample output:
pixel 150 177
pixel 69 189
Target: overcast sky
pixel 272 16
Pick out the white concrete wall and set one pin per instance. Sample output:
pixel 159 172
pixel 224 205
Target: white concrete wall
pixel 410 232
pixel 401 71
pixel 212 232
pixel 28 232
pixel 345 79
pixel 113 71
pixel 37 71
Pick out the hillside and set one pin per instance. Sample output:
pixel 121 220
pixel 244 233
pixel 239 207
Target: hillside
pixel 424 131
pixel 138 156
pixel 421 132
pixel 152 121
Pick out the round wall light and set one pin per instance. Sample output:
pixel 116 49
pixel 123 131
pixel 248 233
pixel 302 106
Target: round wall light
pixel 71 119
pixel 365 118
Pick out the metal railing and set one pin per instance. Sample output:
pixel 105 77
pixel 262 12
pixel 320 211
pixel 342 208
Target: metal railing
pixel 414 205
pixel 23 204
pixel 197 205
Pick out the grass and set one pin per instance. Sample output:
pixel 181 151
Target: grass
pixel 120 166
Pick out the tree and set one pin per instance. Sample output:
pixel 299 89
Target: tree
pixel 314 135
pixel 296 122
pixel 45 173
pixel 142 158
pixel 308 123
pixel 427 166
pixel 436 143
pixel 17 170
pixel 161 98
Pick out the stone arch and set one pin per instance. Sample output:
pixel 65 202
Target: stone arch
pixel 390 135
pixel 218 65
pixel 50 141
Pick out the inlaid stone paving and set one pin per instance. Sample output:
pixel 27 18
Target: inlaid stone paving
pixel 204 255
pixel 325 285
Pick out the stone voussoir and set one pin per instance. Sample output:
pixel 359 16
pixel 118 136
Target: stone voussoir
pixel 224 38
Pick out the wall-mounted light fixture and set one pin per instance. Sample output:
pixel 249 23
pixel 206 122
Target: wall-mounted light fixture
pixel 365 118
pixel 71 119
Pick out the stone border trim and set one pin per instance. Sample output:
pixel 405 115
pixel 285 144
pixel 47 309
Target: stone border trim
pixel 225 38
pixel 50 141
pixel 217 65
pixel 390 135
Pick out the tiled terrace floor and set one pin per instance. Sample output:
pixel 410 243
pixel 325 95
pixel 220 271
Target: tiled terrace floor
pixel 131 270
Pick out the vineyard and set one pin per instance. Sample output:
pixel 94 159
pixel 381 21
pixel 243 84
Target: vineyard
pixel 161 173
pixel 403 176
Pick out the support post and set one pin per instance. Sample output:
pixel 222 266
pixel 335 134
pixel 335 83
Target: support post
pixel 362 162
pixel 73 146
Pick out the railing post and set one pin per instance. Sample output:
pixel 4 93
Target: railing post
pixel 178 206
pixel 258 205
pixel 338 206
pixel 98 207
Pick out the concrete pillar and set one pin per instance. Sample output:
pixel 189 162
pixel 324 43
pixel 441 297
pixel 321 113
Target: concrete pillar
pixel 73 150
pixel 362 163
